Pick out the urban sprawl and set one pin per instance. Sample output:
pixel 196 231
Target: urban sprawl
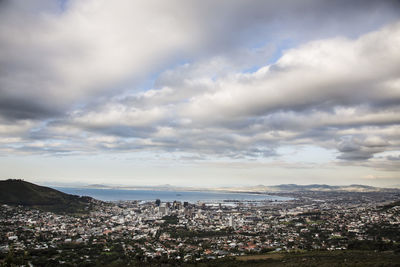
pixel 195 232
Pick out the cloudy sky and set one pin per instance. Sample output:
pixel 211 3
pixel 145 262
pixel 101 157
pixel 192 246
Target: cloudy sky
pixel 200 93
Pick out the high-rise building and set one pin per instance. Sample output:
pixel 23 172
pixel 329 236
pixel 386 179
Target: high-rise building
pixel 230 221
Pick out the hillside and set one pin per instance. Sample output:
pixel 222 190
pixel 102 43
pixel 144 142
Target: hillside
pixel 324 187
pixel 290 188
pixel 18 192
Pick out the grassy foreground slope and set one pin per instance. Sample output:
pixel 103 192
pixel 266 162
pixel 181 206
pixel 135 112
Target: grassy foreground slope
pixel 18 192
pixel 311 258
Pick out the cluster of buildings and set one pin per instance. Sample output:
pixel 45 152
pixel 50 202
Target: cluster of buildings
pixel 135 230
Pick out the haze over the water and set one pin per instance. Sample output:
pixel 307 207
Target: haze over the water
pixel 200 93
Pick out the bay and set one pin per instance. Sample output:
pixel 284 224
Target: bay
pixel 168 196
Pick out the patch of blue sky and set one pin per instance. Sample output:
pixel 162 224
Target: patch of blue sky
pixel 252 69
pixel 150 82
pixel 277 52
pixel 62 5
pixel 280 49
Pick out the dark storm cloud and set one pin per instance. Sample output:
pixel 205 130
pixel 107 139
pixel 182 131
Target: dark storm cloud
pixel 22 109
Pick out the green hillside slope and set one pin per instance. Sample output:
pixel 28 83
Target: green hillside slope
pixel 18 192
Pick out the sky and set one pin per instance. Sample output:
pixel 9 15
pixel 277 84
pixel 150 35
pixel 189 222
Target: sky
pixel 200 93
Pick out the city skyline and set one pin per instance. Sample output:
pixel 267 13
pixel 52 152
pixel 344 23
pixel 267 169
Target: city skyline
pixel 202 93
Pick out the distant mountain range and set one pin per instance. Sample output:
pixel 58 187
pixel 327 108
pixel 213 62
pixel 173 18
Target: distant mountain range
pixel 257 189
pixel 312 187
pixel 19 192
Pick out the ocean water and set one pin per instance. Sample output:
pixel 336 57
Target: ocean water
pixel 168 196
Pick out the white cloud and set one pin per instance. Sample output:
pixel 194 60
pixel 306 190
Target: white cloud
pixel 57 59
pixel 304 98
pixel 318 75
pixel 116 114
pixel 232 80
